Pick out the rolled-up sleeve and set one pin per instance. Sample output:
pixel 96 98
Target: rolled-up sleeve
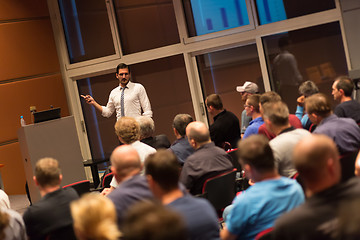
pixel 145 103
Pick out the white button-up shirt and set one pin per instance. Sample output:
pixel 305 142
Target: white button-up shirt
pixel 135 99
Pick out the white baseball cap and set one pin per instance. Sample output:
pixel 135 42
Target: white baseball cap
pixel 248 87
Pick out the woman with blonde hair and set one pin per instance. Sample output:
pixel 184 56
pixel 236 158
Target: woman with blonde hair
pixel 94 218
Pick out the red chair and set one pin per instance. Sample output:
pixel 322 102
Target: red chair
pixel 80 187
pixel 347 162
pixel 107 180
pixel 264 234
pixel 234 157
pixel 220 190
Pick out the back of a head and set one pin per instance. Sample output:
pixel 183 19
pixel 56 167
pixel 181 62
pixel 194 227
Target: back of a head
pixel 128 129
pixel 125 159
pixel 164 168
pixel 276 112
pixel 346 84
pixel 269 97
pixel 47 172
pixel 256 151
pixel 308 88
pixel 310 157
pixel 198 132
pixel 214 100
pixel 152 221
pixel 147 126
pixel 254 101
pixel 319 104
pixel 180 123
pixel 94 217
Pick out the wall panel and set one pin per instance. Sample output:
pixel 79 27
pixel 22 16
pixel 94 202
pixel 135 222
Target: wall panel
pixel 27 48
pixel 17 9
pixel 20 95
pixel 13 174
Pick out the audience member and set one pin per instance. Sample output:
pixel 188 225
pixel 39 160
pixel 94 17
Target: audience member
pixel 226 127
pixel 344 131
pixel 317 160
pixel 357 165
pixel 51 215
pixel 132 187
pixel 4 200
pixel 342 90
pixel 246 90
pixel 207 161
pixel 276 117
pixel 152 221
pixel 181 147
pixel 260 205
pixel 128 131
pixel 147 129
pixel 274 97
pixel 253 109
pixel 94 218
pixel 306 89
pixel 162 172
pixel 12 225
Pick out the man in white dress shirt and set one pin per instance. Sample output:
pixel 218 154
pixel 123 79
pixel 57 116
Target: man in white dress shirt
pixel 128 99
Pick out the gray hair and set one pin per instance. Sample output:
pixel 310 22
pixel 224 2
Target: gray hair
pixel 147 126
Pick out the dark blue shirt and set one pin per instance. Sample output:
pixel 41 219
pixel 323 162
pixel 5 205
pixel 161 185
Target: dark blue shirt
pixel 129 192
pixel 182 149
pixel 344 131
pixel 199 216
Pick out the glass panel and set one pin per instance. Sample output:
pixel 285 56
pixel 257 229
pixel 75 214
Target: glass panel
pixel 87 29
pixel 166 84
pixel 276 10
pixel 146 24
pixel 213 15
pixel 221 72
pixel 315 53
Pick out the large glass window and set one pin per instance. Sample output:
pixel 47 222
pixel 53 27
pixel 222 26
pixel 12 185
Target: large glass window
pixel 314 53
pixel 277 10
pixel 213 15
pixel 87 29
pixel 146 24
pixel 166 84
pixel 221 72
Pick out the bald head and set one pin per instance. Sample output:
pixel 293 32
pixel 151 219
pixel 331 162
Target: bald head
pixel 198 132
pixel 317 159
pixel 125 161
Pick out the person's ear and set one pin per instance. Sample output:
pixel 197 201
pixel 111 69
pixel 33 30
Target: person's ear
pixel 341 91
pixel 35 180
pixel 60 177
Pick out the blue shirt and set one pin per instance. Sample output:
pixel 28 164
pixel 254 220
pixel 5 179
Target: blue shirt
pixel 182 149
pixel 200 217
pixel 304 118
pixel 259 206
pixel 344 131
pixel 253 127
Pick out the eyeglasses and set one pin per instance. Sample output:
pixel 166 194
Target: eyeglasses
pixel 245 106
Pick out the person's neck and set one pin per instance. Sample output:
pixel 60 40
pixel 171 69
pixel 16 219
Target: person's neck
pixel 128 176
pixel 123 85
pixel 171 196
pixel 269 175
pixel 317 187
pixel 216 112
pixel 199 145
pixel 345 99
pixel 48 189
pixel 255 115
pixel 278 129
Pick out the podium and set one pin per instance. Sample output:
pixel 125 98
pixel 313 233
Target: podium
pixel 56 139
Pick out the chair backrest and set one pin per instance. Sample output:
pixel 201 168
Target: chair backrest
pixel 80 187
pixel 220 190
pixel 234 159
pixel 107 180
pixel 347 162
pixel 264 234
